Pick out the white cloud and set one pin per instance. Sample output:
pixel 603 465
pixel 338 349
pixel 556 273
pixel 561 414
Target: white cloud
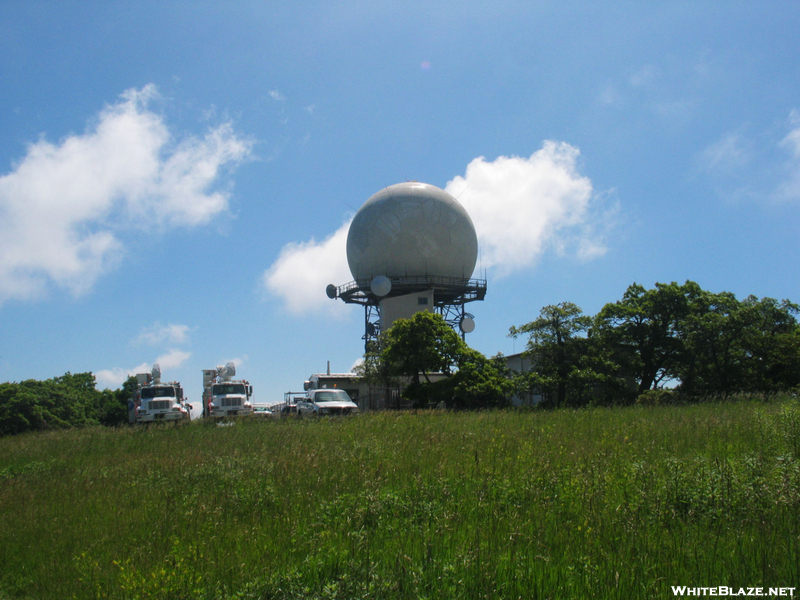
pixel 792 139
pixel 63 206
pixel 238 362
pixel 114 378
pixel 746 168
pixel 789 189
pixel 276 95
pixel 520 208
pixel 303 270
pixel 159 334
pixel 730 152
pixel 609 95
pixel 644 76
pixel 173 359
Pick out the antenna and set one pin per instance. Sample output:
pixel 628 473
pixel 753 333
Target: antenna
pixel 226 372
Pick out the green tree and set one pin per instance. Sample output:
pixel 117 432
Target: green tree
pixel 731 346
pixel 644 330
pixel 568 366
pixel 713 360
pixel 424 344
pixel 113 405
pixel 67 401
pixel 70 400
pixel 479 382
pixel 374 371
pixel 772 343
pixel 19 410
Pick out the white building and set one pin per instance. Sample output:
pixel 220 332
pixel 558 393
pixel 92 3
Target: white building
pixel 519 363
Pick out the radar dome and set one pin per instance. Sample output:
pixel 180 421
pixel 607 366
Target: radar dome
pixel 412 229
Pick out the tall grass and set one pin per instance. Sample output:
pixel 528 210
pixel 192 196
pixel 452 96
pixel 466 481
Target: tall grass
pixel 601 503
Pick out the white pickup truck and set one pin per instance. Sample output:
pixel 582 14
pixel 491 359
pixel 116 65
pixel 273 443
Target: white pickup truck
pixel 325 402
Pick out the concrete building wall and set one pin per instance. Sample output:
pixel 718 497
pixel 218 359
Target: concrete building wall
pixel 519 363
pixel 404 307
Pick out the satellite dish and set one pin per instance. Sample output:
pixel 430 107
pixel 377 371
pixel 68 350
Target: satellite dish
pixel 370 328
pixel 156 372
pixel 467 325
pixel 331 291
pixel 381 286
pixel 227 372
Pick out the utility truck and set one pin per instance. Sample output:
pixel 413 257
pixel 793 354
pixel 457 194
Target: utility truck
pixel 224 396
pixel 155 400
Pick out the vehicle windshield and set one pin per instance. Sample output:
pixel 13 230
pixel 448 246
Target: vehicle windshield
pixel 228 388
pixel 158 392
pixel 332 396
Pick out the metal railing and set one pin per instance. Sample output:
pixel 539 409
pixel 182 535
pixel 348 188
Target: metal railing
pixel 446 289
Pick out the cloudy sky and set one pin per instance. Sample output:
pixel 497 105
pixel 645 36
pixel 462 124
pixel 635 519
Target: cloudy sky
pixel 177 179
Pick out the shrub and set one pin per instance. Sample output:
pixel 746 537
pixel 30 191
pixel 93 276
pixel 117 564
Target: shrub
pixel 656 397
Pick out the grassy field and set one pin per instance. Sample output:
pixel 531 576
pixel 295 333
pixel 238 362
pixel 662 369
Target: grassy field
pixel 596 503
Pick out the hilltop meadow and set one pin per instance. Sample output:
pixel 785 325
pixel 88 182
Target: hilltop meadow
pixel 621 502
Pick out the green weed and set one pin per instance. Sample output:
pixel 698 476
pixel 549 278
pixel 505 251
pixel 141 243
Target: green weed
pixel 601 503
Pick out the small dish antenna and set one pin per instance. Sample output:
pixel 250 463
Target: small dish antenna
pixel 467 325
pixel 381 286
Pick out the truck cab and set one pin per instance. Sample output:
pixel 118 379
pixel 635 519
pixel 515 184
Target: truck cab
pixel 325 402
pixel 157 401
pixel 224 396
pixel 230 399
pixel 161 403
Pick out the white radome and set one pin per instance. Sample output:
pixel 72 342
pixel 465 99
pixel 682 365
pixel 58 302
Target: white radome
pixel 411 229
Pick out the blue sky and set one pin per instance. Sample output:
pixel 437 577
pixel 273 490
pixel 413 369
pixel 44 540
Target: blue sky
pixel 176 179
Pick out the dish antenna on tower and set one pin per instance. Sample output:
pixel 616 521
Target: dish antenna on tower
pixel 380 286
pixel 467 324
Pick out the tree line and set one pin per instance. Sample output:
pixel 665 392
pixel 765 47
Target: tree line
pixel 62 402
pixel 695 342
pixel 669 341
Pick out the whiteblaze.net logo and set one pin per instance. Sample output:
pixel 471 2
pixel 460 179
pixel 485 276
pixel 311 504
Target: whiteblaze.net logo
pixel 722 590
